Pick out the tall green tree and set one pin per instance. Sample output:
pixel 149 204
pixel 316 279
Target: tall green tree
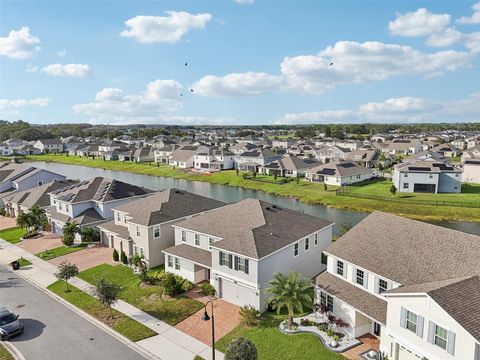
pixel 26 221
pixel 291 291
pixel 90 234
pixel 39 216
pixel 107 293
pixel 66 271
pixel 69 231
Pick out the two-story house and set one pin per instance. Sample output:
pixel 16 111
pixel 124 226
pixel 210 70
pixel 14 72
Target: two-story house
pixel 238 248
pixel 184 156
pixel 144 226
pixel 251 160
pixel 49 146
pixel 403 147
pixel 214 160
pixel 413 285
pixel 90 202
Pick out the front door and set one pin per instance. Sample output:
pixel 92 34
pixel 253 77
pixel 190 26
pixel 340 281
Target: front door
pixel 207 274
pixel 376 329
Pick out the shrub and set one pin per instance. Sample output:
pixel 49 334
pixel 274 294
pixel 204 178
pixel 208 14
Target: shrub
pixel 3 212
pixel 250 316
pixel 336 338
pixel 330 332
pixel 123 257
pixel 241 349
pixel 323 327
pixel 147 279
pixel 207 289
pixel 171 286
pixel 30 235
pixel 161 276
pixel 115 255
pixel 307 322
pixel 186 284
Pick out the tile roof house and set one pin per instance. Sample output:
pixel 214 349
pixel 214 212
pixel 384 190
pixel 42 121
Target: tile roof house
pixel 339 173
pixel 144 226
pixel 238 247
pixel 413 285
pixel 90 202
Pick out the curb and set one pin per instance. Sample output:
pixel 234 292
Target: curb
pixel 132 345
pixel 17 355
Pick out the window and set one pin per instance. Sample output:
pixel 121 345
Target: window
pixel 177 264
pixel 225 259
pixel 210 241
pixel 295 249
pixel 241 264
pixel 60 206
pixel 340 268
pixel 316 240
pixel 360 277
pixel 405 185
pixel 156 231
pixel 307 244
pixel 197 239
pixel 382 285
pixel 184 236
pixel 406 175
pixel 326 300
pixel 440 337
pixel 170 261
pixel 125 219
pixel 138 231
pixel 411 323
pixel 118 217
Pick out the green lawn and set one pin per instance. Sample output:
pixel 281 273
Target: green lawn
pixel 60 251
pixel 12 235
pixel 272 344
pixel 24 262
pixel 310 193
pixel 145 297
pixel 5 354
pixel 121 323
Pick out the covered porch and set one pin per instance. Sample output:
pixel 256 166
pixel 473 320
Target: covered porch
pixel 189 262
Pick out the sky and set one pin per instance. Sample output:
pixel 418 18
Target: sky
pixel 239 62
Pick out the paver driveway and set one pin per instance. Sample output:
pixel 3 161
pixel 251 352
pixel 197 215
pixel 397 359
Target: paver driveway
pixel 87 258
pixel 6 222
pixel 226 319
pixel 46 242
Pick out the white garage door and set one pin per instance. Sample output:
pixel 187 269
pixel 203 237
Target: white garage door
pixel 236 293
pixel 405 354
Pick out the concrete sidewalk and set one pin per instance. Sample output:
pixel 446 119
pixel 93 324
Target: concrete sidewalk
pixel 168 344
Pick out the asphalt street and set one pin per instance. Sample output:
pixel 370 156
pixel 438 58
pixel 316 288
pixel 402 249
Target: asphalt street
pixel 52 330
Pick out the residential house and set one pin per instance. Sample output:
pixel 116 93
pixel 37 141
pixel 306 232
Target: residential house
pixel 143 154
pixel 403 147
pixel 427 176
pixel 49 146
pixel 214 160
pixel 285 143
pixel 162 155
pixel 184 157
pixel 144 226
pixel 288 166
pixel 339 173
pixel 447 150
pixel 471 171
pixel 242 147
pixel 19 177
pixel 251 160
pixel 27 150
pixel 5 149
pixel 327 153
pixel 364 157
pixel 459 143
pixel 110 145
pixel 238 248
pixel 90 202
pixel 411 284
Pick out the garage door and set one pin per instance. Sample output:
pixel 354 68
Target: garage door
pixel 236 293
pixel 405 354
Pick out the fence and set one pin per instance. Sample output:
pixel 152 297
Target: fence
pixel 350 191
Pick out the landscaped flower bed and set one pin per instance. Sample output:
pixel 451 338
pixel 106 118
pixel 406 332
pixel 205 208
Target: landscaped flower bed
pixel 332 339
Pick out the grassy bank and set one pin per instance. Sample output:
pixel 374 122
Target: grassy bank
pixel 310 193
pixel 121 323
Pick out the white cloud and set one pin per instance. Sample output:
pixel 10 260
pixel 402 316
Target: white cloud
pixel 19 44
pixel 474 19
pixel 164 29
pixel 161 98
pixel 70 70
pixel 19 103
pixel 418 23
pixel 178 119
pixel 355 62
pixel 237 84
pixel 395 110
pixel 62 53
pixel 245 2
pixel 446 37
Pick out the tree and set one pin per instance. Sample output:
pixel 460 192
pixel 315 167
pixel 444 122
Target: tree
pixel 115 255
pixel 393 190
pixel 66 271
pixel 241 349
pixel 291 291
pixel 137 260
pixel 26 221
pixel 38 216
pixel 107 293
pixel 275 177
pixel 237 171
pixel 123 257
pixel 325 187
pixel 90 234
pixel 69 231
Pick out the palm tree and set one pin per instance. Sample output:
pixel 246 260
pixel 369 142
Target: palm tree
pixel 292 291
pixel 26 221
pixel 38 215
pixel 69 231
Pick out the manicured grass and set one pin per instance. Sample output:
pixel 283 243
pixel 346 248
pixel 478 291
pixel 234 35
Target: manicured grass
pixel 272 344
pixel 5 354
pixel 310 193
pixel 121 323
pixel 145 297
pixel 12 235
pixel 60 251
pixel 198 357
pixel 24 262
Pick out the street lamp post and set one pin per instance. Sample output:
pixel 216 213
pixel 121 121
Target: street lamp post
pixel 206 317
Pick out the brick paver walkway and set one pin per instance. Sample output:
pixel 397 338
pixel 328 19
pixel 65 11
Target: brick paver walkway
pixel 226 319
pixel 87 258
pixel 6 222
pixel 46 242
pixel 369 342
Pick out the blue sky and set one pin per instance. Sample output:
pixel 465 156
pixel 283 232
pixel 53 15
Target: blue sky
pixel 249 62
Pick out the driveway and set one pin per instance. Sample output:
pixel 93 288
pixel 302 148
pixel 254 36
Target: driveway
pixel 52 330
pixel 87 258
pixel 46 242
pixel 226 319
pixel 7 222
